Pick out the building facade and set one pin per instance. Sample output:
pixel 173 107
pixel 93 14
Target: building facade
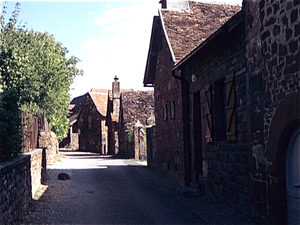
pixel 177 30
pixel 240 107
pixel 273 108
pixel 92 132
pixel 127 109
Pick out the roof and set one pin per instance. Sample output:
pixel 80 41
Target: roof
pixel 186 30
pixel 233 22
pixel 99 90
pixel 75 106
pixel 100 101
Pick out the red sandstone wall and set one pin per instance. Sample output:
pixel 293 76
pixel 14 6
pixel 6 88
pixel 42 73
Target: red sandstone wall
pixel 169 154
pixel 273 83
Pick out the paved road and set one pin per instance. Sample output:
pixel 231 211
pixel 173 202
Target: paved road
pixel 103 190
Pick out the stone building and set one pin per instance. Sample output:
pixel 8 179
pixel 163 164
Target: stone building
pixel 92 131
pixel 240 105
pixel 176 31
pixel 87 122
pixel 72 139
pixel 216 142
pixel 125 109
pixel 273 108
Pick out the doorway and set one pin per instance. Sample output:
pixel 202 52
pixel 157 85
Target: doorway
pixel 293 179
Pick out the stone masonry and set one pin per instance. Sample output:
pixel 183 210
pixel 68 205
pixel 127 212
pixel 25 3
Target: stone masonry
pixel 135 106
pixel 218 159
pixel 19 180
pixel 273 41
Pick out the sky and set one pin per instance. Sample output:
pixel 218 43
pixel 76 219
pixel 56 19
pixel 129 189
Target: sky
pixel 109 37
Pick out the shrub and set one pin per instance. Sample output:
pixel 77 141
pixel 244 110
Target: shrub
pixel 10 126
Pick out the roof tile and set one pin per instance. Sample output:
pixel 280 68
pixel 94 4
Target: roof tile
pixel 188 29
pixel 100 100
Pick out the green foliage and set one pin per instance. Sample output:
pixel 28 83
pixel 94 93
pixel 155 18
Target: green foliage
pixel 131 135
pixel 35 66
pixel 10 126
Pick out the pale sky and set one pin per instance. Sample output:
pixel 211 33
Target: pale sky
pixel 110 37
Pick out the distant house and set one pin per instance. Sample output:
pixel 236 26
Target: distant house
pixel 87 122
pixel 127 109
pixel 179 28
pixel 72 139
pixel 92 131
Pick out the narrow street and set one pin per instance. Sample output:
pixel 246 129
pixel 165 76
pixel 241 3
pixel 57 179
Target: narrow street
pixel 103 190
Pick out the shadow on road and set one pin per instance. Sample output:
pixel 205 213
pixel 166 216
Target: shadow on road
pixel 104 190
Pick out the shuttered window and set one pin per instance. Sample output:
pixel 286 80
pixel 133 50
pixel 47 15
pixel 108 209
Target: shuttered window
pixel 230 108
pixel 165 112
pixel 219 118
pixel 208 113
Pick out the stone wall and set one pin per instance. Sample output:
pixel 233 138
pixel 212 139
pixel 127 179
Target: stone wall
pixel 169 138
pixel 38 168
pixel 89 123
pixel 49 141
pixel 19 179
pixel 218 158
pixel 273 41
pixel 74 143
pixel 151 146
pixel 135 106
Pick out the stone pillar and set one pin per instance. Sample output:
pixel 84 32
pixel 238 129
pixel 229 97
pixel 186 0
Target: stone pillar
pixel 138 143
pixel 116 136
pixel 116 96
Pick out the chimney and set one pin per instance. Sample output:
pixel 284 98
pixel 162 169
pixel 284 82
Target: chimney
pixel 116 95
pixel 163 4
pixel 116 88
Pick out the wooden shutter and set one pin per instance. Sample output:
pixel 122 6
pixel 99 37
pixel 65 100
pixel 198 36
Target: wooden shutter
pixel 208 113
pixel 230 108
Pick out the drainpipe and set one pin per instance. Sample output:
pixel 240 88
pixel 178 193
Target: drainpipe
pixel 186 125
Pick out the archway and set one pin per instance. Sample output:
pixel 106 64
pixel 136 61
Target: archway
pixel 292 178
pixel 284 123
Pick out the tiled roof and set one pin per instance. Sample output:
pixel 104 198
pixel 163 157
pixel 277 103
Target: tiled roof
pixel 75 106
pixel 188 29
pixel 99 90
pixel 100 100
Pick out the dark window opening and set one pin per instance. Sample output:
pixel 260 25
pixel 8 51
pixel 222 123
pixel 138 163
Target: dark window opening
pixel 219 111
pixel 173 110
pixel 165 112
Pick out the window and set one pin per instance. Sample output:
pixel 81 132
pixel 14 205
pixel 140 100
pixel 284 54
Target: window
pixel 208 112
pixel 219 111
pixel 230 108
pixel 172 110
pixel 165 112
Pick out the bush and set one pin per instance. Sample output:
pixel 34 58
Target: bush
pixel 10 126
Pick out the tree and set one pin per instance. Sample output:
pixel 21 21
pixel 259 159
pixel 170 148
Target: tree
pixel 35 66
pixel 10 126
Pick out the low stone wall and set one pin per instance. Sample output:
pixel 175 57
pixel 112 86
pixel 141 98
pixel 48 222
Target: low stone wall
pixel 19 179
pixel 49 141
pixel 38 168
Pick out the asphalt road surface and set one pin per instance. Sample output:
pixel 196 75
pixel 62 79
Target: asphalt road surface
pixel 103 190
